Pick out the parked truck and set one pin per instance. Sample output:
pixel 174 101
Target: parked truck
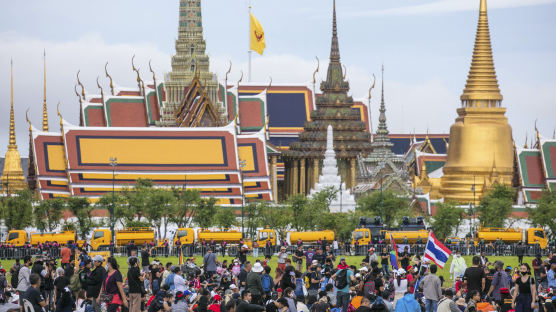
pixel 18 238
pixel 309 237
pixel 187 236
pixel 139 236
pixel 529 236
pixel 368 228
pixel 372 230
pixel 410 236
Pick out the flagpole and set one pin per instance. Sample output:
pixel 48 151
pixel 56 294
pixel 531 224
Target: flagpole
pixel 249 52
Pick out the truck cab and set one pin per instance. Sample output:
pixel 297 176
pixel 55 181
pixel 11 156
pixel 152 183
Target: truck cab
pixel 186 236
pixel 537 235
pixel 17 237
pixel 266 235
pixel 100 238
pixel 369 229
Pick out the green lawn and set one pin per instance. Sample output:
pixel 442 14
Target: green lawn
pixel 351 260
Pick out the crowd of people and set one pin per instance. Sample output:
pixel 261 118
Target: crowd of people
pixel 305 280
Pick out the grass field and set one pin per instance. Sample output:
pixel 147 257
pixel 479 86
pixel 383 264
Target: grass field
pixel 351 260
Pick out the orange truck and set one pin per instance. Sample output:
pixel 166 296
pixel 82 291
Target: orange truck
pixel 139 236
pixel 19 237
pixel 529 236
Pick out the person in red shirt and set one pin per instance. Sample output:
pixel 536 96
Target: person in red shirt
pixel 66 254
pixel 342 264
pixel 215 306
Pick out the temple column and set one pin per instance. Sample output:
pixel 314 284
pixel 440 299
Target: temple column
pixel 273 178
pixel 302 174
pixel 310 175
pixel 295 177
pixel 315 171
pixel 352 173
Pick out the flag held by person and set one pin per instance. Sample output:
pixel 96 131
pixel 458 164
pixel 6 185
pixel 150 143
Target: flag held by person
pixel 436 251
pixel 394 254
pixel 257 37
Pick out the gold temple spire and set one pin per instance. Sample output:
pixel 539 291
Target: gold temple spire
pixel 12 144
pixel 44 108
pixel 481 89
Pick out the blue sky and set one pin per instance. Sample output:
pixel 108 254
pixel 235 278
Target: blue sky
pixel 426 46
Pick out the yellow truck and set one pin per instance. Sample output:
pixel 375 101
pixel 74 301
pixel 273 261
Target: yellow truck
pixel 139 236
pixel 19 237
pixel 411 236
pixel 309 237
pixel 186 236
pixel 529 236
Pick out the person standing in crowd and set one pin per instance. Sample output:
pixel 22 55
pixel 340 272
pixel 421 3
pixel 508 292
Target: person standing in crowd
pixel 475 277
pixel 268 249
pixel 23 280
pixel 134 280
pixel 242 277
pixel 282 256
pixel 33 293
pixel 525 293
pixel 499 280
pixel 243 253
pixel 458 265
pixel 343 279
pixel 255 249
pixel 432 290
pixel 209 262
pixel 384 256
pixel 66 254
pixel 484 260
pixel 179 281
pixel 145 254
pixel 112 289
pixel 405 256
pixel 298 258
pixel 400 285
pixel 372 257
pixel 519 252
pixel 551 274
pixel 253 284
pixel 335 247
pixel 95 279
pixel 309 257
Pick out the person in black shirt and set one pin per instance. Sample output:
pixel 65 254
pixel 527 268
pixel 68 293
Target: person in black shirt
pixel 475 277
pixel 405 255
pixel 384 261
pixel 525 293
pixel 145 254
pixel 33 294
pixel 135 280
pixel 298 258
pixel 319 256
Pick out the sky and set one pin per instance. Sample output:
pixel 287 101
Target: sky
pixel 425 46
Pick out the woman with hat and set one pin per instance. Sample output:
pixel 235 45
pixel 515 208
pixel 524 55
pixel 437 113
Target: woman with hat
pixel 254 284
pixel 400 284
pixel 282 256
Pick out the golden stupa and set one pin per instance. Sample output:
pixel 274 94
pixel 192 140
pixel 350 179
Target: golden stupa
pixel 12 176
pixel 480 152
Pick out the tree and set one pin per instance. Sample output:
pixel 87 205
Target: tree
pixel 251 220
pixel 343 224
pixel 159 204
pixel 274 217
pixel 137 198
pixel 394 207
pixel 17 210
pixel 296 206
pixel 206 210
pixel 82 211
pixel 447 217
pixel 544 215
pixel 225 217
pixel 48 213
pixel 185 206
pixel 122 212
pixel 496 206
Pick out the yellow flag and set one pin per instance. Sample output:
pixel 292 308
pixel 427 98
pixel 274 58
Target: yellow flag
pixel 257 36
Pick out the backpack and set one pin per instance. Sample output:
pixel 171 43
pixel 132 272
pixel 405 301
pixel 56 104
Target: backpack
pixel 15 278
pixel 341 279
pixel 266 282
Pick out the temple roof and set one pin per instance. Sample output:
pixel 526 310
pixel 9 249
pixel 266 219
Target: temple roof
pixel 537 169
pixel 334 108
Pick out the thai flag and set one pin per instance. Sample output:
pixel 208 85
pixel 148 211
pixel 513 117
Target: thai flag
pixel 394 254
pixel 436 251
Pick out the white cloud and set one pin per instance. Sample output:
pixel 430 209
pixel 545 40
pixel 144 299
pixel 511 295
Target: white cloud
pixel 443 6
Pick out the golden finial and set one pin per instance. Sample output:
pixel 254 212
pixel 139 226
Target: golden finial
pixel 270 83
pixel 27 118
pixel 44 107
pixel 525 145
pixel 101 91
pixel 240 80
pixel 316 70
pixel 371 88
pixel 445 143
pixel 81 85
pixel 135 70
pixel 537 131
pixel 482 88
pixel 109 77
pixel 152 71
pixel 12 143
pixel 228 72
pixel 345 72
pixel 59 114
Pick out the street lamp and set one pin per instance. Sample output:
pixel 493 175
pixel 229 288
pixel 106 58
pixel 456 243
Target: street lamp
pixel 242 164
pixel 113 163
pixel 472 208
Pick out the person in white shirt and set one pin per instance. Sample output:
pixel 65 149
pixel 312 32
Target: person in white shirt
pixel 458 266
pixel 335 247
pixel 179 281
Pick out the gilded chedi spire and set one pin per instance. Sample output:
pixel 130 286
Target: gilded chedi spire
pixel 44 107
pixel 12 176
pixel 481 89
